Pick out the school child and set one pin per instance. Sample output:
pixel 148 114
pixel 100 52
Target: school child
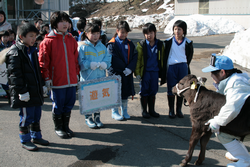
pixel 148 68
pixel 93 59
pixel 235 85
pixel 39 39
pixel 73 32
pixel 80 26
pixel 59 65
pixel 4 35
pixel 45 27
pixel 12 37
pixel 103 36
pixel 38 22
pixel 178 55
pixel 4 25
pixel 26 86
pixel 124 58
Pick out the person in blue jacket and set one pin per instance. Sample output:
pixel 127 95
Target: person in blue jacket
pixel 93 60
pixel 124 59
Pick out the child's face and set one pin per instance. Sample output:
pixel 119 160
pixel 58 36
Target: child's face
pixel 46 29
pixel 1 18
pixel 29 40
pixel 219 76
pixel 122 33
pixel 5 39
pixel 12 37
pixel 38 24
pixel 150 36
pixel 178 32
pixel 62 26
pixel 93 37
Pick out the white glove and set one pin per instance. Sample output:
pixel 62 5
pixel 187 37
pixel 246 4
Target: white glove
pixel 103 66
pixel 24 97
pixel 45 90
pixel 48 84
pixel 213 126
pixel 127 71
pixel 138 77
pixel 94 65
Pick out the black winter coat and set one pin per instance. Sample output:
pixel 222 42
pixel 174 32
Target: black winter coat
pixel 23 78
pixel 189 50
pixel 118 65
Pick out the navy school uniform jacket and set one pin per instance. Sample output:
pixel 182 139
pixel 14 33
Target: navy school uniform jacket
pixel 118 65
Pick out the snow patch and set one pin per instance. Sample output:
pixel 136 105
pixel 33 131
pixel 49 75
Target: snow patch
pixel 144 10
pixel 144 2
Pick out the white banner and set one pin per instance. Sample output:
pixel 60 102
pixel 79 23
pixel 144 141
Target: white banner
pixel 99 94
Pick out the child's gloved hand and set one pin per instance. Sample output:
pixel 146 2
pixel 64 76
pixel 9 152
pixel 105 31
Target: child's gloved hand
pixel 138 77
pixel 103 66
pixel 94 65
pixel 127 71
pixel 48 84
pixel 213 126
pixel 24 97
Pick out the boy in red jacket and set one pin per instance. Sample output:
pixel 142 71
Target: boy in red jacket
pixel 59 67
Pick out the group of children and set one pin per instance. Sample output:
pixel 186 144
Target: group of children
pixel 61 59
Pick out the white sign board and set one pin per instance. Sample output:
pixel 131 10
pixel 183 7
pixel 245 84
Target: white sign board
pixel 99 94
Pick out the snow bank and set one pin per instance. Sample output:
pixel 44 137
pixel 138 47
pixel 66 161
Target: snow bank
pixel 200 25
pixel 239 50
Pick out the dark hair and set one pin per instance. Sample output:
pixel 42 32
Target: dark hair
pixel 43 32
pixel 3 13
pixel 57 17
pixel 39 38
pixel 90 28
pixel 44 25
pixel 24 28
pixel 98 22
pixel 181 24
pixel 122 25
pixel 39 19
pixel 148 27
pixel 4 33
pixel 25 21
pixel 228 72
pixel 81 24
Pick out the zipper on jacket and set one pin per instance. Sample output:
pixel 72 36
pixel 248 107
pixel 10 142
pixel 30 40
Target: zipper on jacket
pixel 66 60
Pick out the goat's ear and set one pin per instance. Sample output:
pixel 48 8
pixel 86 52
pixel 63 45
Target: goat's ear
pixel 202 80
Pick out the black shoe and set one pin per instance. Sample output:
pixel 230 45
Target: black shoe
pixel 151 107
pixel 145 115
pixel 171 106
pixel 29 146
pixel 178 107
pixel 59 130
pixel 40 141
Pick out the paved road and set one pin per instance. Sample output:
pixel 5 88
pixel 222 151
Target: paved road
pixel 160 142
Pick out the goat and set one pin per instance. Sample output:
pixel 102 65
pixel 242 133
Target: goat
pixel 205 104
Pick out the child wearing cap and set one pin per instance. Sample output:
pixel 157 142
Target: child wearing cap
pixel 236 86
pixel 178 55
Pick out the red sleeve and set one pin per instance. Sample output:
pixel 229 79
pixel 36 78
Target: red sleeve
pixel 44 59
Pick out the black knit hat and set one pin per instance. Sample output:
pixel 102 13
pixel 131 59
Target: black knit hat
pixel 2 12
pixel 181 24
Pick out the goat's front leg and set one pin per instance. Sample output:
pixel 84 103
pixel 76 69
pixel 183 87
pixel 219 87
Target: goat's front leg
pixel 194 138
pixel 203 141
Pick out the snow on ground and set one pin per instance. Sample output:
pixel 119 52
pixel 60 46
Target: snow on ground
pixel 200 25
pixel 238 50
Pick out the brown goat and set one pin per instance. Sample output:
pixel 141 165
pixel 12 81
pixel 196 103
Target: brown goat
pixel 207 106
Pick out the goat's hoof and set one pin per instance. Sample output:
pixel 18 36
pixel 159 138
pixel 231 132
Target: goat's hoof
pixel 197 163
pixel 182 164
